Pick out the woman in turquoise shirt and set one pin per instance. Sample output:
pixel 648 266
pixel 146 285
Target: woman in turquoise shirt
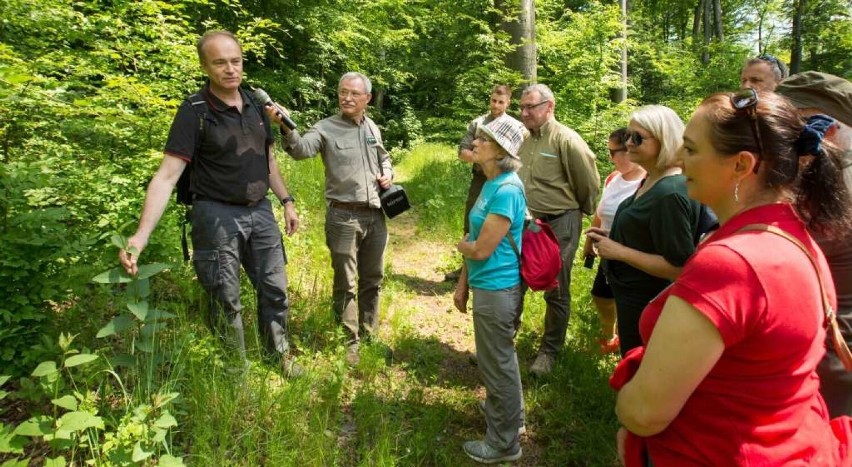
pixel 492 270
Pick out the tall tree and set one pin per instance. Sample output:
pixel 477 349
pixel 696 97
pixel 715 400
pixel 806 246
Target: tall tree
pixel 519 23
pixel 621 94
pixel 796 47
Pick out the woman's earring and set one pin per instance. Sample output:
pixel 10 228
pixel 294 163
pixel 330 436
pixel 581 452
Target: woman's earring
pixel 737 192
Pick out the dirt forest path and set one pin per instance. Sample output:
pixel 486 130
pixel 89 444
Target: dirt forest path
pixel 418 264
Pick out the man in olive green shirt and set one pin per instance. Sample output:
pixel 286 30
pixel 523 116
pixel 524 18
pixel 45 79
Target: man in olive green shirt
pixel 357 169
pixel 561 183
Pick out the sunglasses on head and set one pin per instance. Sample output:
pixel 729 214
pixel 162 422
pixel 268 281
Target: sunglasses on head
pixel 772 59
pixel 636 138
pixel 745 101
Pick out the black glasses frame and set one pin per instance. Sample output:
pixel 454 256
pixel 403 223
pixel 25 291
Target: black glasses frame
pixel 529 107
pixel 746 101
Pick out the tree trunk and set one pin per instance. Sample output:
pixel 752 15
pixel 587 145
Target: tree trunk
pixel 519 22
pixel 620 94
pixel 796 48
pixel 717 7
pixel 708 31
pixel 696 20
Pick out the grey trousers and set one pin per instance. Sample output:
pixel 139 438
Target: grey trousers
pixel 356 240
pixel 494 316
pixel 558 301
pixel 223 238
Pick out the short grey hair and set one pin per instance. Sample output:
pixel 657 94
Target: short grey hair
pixel 368 86
pixel 666 126
pixel 543 91
pixel 508 163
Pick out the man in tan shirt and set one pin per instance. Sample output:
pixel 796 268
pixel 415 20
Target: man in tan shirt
pixel 357 169
pixel 561 182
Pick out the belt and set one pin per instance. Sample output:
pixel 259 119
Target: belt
pixel 351 206
pixel 249 204
pixel 553 217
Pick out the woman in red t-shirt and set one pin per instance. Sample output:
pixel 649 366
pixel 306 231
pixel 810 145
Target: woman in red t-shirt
pixel 731 348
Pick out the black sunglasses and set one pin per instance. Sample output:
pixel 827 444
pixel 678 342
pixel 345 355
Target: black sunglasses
pixel 635 138
pixel 746 100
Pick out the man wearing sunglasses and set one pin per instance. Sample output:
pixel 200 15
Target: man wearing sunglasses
pixel 561 183
pixel 763 73
pixel 821 93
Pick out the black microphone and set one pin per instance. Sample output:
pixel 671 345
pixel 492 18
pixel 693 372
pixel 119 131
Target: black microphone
pixel 264 98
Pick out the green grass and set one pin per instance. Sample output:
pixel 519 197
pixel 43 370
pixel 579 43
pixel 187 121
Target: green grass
pixel 400 406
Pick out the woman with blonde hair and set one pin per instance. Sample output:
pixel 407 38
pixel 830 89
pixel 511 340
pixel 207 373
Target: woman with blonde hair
pixel 655 230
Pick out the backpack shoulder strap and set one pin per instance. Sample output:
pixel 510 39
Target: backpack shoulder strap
pixel 527 215
pixel 199 106
pixel 259 107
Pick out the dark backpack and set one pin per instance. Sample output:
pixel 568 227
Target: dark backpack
pixel 540 259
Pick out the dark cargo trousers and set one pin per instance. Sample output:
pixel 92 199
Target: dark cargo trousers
pixel 223 238
pixel 356 239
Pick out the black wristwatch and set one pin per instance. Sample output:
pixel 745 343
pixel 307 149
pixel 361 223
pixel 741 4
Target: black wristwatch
pixel 288 199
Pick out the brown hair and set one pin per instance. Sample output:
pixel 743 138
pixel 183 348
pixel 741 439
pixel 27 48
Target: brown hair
pixel 199 47
pixel 502 89
pixel 619 136
pixel 821 197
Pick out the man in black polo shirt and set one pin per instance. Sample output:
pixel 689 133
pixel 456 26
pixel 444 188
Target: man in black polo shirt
pixel 232 220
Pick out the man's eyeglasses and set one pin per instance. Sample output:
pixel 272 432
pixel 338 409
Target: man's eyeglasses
pixel 613 152
pixel 746 101
pixel 532 106
pixel 636 138
pixel 347 93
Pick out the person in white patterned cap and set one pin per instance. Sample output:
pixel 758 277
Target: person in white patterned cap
pixel 491 268
pixel 501 97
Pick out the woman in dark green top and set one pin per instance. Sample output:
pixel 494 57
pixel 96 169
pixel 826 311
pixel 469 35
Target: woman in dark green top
pixel 655 230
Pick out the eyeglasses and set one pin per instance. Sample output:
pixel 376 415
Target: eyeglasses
pixel 636 138
pixel 613 152
pixel 746 100
pixel 346 93
pixel 485 138
pixel 532 106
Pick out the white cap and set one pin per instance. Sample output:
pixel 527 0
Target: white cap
pixel 507 132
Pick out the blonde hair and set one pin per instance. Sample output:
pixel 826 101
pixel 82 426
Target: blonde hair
pixel 666 126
